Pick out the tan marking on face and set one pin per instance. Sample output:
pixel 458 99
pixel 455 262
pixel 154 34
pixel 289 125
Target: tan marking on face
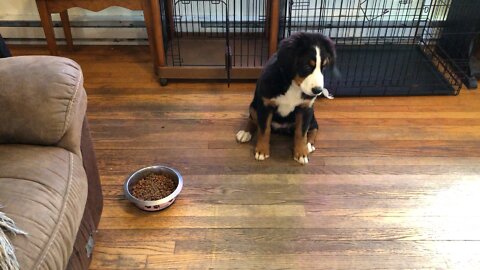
pixel 298 80
pixel 326 61
pixel 263 141
pixel 313 63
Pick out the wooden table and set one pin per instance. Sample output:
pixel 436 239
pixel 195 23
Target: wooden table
pixel 150 8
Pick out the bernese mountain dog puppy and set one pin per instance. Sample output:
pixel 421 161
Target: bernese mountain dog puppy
pixel 285 93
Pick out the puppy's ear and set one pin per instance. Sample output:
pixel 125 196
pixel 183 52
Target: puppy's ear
pixel 329 55
pixel 287 53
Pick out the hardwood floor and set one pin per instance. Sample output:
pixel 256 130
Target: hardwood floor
pixel 394 183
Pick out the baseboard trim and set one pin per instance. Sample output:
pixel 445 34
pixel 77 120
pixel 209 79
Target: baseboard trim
pixel 115 30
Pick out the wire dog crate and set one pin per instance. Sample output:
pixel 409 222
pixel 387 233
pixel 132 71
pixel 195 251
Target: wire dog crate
pixel 215 38
pixel 384 47
pixel 460 40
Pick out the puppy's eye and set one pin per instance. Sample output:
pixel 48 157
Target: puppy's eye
pixel 312 63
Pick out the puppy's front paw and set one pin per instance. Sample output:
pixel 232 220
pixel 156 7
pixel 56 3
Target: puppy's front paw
pixel 262 152
pixel 300 154
pixel 243 136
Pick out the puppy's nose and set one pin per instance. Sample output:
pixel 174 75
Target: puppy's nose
pixel 317 90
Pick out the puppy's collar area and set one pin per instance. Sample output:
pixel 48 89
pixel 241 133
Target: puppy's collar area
pixel 324 93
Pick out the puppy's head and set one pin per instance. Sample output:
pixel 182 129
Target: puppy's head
pixel 304 56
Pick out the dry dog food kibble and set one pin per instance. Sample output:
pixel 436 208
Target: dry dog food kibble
pixel 153 187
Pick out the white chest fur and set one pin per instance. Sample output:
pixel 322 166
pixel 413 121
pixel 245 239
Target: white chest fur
pixel 292 98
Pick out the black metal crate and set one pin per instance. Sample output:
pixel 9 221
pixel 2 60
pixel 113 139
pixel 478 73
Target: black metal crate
pixel 385 47
pixel 459 40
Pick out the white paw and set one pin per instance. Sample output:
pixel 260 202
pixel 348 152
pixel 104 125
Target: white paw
pixel 302 160
pixel 243 136
pixel 310 147
pixel 259 156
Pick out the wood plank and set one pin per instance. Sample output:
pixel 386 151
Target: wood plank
pixel 311 247
pixel 136 248
pixel 279 165
pixel 125 209
pixel 294 261
pixel 271 234
pixel 114 261
pixel 441 227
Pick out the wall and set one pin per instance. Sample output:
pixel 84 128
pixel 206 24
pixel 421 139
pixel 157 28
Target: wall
pixel 27 9
pixel 20 23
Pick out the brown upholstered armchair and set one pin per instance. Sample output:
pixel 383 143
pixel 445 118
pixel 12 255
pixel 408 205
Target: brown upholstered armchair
pixel 49 182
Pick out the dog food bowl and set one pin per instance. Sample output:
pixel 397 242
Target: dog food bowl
pixel 158 204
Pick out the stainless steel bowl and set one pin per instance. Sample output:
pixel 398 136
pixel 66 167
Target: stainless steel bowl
pixel 158 204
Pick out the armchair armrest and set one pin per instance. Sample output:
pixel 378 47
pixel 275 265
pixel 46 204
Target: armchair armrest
pixel 42 101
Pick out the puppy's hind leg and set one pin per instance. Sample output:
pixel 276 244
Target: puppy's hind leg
pixel 246 134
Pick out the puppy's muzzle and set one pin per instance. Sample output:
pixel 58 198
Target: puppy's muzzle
pixel 317 90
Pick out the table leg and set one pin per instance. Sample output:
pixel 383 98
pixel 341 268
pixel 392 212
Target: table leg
pixel 46 20
pixel 157 32
pixel 147 14
pixel 67 29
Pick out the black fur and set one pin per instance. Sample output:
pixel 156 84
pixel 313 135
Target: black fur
pixel 291 60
